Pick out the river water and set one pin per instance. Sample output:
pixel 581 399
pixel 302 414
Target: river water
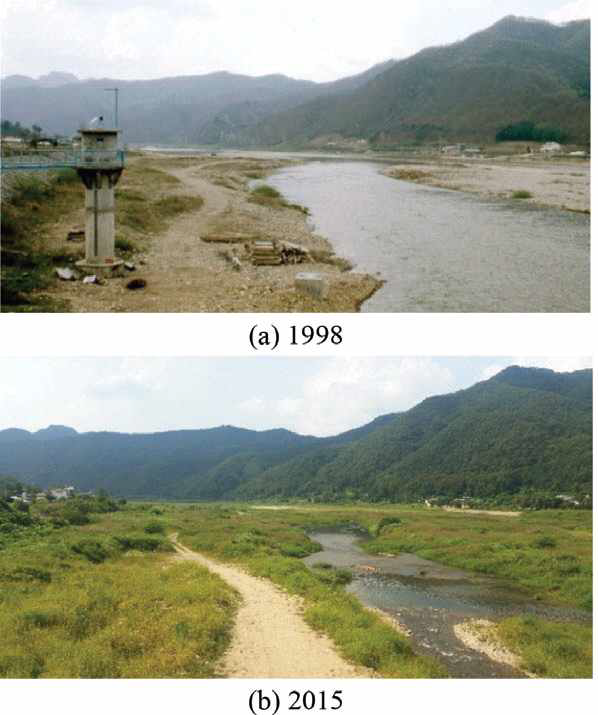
pixel 444 251
pixel 429 599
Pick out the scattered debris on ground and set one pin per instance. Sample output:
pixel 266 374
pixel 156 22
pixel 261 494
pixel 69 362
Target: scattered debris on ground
pixel 312 284
pixel 136 284
pixel 67 274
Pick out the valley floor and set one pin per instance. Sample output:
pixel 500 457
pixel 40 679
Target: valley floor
pixel 87 594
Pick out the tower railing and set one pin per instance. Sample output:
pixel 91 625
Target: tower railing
pixel 70 158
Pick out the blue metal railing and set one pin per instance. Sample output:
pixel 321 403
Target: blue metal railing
pixel 62 159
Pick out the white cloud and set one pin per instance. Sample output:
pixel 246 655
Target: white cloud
pixel 137 39
pixel 320 396
pixel 346 393
pixel 577 10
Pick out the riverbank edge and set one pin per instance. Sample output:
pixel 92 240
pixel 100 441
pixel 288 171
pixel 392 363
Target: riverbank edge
pixel 407 171
pixel 481 635
pixel 341 260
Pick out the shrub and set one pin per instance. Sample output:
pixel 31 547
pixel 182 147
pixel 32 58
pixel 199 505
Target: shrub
pixel 28 573
pixel 66 176
pixel 154 527
pixel 40 619
pixel 139 543
pixel 75 515
pixel 29 189
pixel 522 195
pixel 332 576
pixel 528 131
pixel 544 542
pixel 386 521
pixel 124 245
pixel 266 191
pixel 92 550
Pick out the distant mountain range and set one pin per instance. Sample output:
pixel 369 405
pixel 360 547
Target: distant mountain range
pixel 518 69
pixel 525 428
pixel 194 109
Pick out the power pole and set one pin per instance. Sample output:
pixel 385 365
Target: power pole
pixel 115 90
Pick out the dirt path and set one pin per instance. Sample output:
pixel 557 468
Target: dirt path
pixel 270 638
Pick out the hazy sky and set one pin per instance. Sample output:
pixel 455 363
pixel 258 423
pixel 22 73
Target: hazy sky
pixel 320 396
pixel 312 39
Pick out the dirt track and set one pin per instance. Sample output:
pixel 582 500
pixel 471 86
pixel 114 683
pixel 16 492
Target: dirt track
pixel 270 638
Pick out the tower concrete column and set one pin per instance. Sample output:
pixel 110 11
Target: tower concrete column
pixel 100 167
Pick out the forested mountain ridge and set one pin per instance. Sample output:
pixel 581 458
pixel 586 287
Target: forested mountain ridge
pixel 520 69
pixel 524 429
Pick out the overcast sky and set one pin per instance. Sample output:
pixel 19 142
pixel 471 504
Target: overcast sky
pixel 312 39
pixel 307 395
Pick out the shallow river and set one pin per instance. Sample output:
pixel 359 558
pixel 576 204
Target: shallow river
pixel 441 250
pixel 429 599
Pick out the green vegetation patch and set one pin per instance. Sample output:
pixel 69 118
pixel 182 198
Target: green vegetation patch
pixel 265 195
pixel 522 194
pixel 529 131
pixel 33 205
pixel 30 204
pixel 549 649
pixel 101 601
pixel 547 554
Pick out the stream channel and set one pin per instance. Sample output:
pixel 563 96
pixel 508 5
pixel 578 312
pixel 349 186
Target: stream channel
pixel 444 251
pixel 429 599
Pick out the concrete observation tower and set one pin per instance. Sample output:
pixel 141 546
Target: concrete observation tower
pixel 100 166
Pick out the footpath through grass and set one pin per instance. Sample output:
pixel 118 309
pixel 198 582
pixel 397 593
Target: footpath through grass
pixel 271 545
pixel 107 600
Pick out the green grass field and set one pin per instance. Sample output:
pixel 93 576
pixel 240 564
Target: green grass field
pixel 106 598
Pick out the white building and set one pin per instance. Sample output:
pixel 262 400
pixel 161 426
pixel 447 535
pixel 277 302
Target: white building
pixel 62 492
pixel 551 147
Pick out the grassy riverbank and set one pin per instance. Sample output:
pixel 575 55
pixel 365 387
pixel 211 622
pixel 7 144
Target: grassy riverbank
pixel 107 600
pixel 97 592
pixel 548 554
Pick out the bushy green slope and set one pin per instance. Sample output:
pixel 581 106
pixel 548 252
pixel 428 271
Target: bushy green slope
pixel 524 428
pixel 519 69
